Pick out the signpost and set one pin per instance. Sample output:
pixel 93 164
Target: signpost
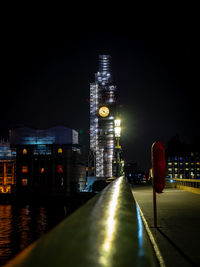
pixel 159 172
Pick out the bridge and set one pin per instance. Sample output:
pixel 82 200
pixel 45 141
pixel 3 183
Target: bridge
pixel 178 211
pixel 115 228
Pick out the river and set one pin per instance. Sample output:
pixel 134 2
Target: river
pixel 21 224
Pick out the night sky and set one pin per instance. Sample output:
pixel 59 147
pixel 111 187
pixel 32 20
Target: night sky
pixel 47 68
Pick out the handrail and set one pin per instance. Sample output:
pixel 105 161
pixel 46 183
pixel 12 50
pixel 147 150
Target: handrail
pixel 106 232
pixel 187 180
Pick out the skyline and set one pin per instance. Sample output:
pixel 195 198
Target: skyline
pixel 47 83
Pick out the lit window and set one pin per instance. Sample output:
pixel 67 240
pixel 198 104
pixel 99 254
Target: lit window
pixel 60 169
pixel 24 151
pixel 42 170
pixel 24 169
pixel 24 182
pixel 60 150
pixel 169 163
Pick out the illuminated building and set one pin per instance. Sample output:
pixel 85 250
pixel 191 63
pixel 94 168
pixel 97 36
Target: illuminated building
pixel 7 168
pixel 102 115
pixel 48 161
pixel 183 160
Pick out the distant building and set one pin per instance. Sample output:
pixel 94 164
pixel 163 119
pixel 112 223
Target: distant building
pixel 183 160
pixel 7 168
pixel 103 98
pixel 48 162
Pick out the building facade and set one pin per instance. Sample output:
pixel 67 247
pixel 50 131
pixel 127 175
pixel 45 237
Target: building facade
pixel 48 162
pixel 182 160
pixel 103 98
pixel 184 166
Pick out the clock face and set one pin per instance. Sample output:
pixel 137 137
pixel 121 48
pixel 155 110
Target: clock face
pixel 104 111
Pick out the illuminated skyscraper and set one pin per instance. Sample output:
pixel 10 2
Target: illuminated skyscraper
pixel 102 115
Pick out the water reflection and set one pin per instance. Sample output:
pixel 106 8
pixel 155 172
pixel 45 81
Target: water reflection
pixel 21 225
pixel 5 230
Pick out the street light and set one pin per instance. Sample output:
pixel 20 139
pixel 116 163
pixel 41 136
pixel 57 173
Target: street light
pixel 117 128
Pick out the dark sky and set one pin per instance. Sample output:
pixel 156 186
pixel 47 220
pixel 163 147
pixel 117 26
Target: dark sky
pixel 48 65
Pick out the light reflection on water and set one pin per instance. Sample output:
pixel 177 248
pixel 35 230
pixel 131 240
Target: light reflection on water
pixel 21 225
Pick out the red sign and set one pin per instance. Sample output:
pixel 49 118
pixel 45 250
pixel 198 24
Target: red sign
pixel 158 166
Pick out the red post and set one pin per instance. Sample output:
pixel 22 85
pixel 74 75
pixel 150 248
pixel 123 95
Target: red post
pixel 159 172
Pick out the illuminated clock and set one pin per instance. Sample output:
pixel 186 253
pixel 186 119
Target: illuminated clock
pixel 104 111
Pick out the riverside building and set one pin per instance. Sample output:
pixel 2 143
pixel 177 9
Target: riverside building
pixel 48 162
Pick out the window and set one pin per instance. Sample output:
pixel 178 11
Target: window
pixel 60 169
pixel 24 182
pixel 9 168
pixel 24 169
pixel 60 150
pixel 42 170
pixel 25 151
pixel 1 168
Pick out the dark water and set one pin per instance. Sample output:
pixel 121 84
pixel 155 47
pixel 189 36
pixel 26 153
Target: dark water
pixel 22 224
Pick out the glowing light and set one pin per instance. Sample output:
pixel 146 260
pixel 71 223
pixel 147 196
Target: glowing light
pixel 117 122
pixel 24 151
pixel 24 169
pixel 24 181
pixel 60 169
pixel 60 150
pixel 117 131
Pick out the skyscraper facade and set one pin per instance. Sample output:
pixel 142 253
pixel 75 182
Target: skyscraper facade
pixel 102 115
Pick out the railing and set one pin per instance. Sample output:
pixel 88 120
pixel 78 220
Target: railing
pixel 192 185
pixel 107 231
